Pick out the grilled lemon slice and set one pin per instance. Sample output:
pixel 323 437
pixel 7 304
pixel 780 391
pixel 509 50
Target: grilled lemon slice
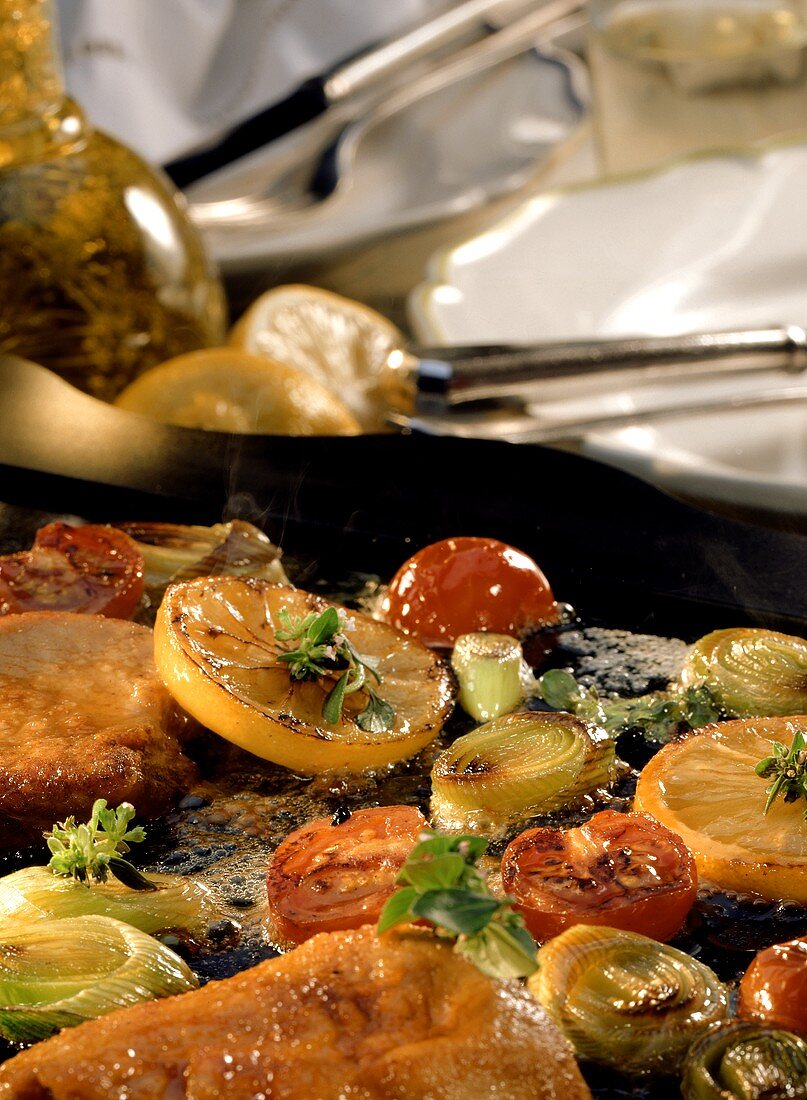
pixel 216 650
pixel 705 789
pixel 228 390
pixel 341 343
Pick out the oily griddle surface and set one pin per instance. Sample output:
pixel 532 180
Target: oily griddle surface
pixel 226 827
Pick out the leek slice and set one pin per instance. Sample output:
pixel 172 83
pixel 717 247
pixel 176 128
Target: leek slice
pixel 35 893
pixel 752 673
pixel 746 1061
pixel 491 672
pixel 519 765
pixel 175 552
pixel 624 1000
pixel 56 974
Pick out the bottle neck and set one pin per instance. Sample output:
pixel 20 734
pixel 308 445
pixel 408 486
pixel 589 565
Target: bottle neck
pixel 37 120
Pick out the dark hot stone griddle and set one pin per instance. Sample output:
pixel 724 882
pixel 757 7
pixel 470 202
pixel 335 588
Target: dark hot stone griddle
pixel 645 573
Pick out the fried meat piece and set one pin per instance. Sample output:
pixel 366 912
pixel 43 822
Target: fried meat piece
pixel 348 1014
pixel 83 715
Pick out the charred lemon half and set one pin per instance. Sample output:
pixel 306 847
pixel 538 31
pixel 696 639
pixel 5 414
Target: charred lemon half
pixel 704 788
pixel 217 650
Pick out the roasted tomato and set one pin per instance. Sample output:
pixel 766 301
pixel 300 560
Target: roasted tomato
pixel 622 870
pixel 328 878
pixel 774 987
pixel 462 585
pixel 93 569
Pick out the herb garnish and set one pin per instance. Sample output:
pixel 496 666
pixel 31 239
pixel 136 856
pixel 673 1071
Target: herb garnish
pixel 89 853
pixel 323 649
pixel 442 885
pixel 658 715
pixel 788 769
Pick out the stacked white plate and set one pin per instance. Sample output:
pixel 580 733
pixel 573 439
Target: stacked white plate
pixel 707 244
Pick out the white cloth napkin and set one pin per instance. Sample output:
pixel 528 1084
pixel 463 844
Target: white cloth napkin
pixel 167 75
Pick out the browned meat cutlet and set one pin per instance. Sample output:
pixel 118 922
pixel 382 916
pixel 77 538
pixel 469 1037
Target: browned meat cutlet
pixel 83 715
pixel 348 1014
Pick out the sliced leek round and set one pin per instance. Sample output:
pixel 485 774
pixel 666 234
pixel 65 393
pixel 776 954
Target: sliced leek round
pixel 519 765
pixel 624 1000
pixel 745 1061
pixel 490 670
pixel 56 974
pixel 751 672
pixel 35 893
pixel 217 651
pixel 177 552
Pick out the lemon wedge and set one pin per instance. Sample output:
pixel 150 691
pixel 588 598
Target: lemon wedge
pixel 705 789
pixel 216 652
pixel 228 390
pixel 342 344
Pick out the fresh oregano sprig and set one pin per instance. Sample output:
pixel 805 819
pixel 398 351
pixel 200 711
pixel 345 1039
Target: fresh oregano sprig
pixel 323 650
pixel 91 852
pixel 788 769
pixel 659 715
pixel 441 884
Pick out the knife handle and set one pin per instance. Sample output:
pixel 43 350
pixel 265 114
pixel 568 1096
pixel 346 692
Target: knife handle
pixel 451 376
pixel 366 69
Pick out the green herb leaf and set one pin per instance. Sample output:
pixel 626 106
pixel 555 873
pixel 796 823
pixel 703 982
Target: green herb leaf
pixel 444 886
pixel 439 873
pixel 659 715
pixel 378 716
pixel 91 852
pixel 430 845
pixel 458 911
pixel 788 768
pixel 502 951
pixel 124 872
pixel 324 626
pixel 322 650
pixel 560 690
pixel 398 909
pixel 332 707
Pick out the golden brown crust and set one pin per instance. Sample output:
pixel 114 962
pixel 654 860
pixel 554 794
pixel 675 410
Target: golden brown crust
pixel 400 1017
pixel 83 715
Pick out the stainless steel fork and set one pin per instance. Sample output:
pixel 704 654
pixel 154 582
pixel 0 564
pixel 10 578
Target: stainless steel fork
pixel 310 164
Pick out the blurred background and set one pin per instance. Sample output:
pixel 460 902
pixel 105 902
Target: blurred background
pixel 520 173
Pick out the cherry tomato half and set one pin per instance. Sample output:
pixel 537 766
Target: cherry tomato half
pixel 622 870
pixel 774 987
pixel 327 878
pixel 92 569
pixel 462 585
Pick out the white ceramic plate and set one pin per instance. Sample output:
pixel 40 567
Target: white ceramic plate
pixel 453 151
pixel 706 244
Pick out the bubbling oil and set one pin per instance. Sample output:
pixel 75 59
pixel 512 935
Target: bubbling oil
pixel 674 77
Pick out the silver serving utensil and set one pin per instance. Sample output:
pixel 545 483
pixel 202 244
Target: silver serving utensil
pixel 369 68
pixel 508 392
pixel 310 164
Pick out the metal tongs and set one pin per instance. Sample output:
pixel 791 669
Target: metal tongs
pixel 519 393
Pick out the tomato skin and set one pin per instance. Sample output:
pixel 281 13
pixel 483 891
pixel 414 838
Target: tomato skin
pixel 462 585
pixel 93 569
pixel 773 989
pixel 625 871
pixel 330 878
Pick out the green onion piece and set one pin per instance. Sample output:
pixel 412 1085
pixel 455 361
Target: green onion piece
pixel 517 766
pixel 745 1061
pixel 752 673
pixel 624 1000
pixel 56 974
pixel 490 669
pixel 35 893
